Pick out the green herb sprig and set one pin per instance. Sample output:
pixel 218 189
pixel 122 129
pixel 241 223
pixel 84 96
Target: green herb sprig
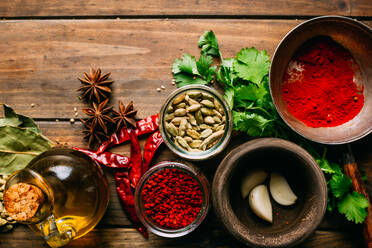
pixel 246 84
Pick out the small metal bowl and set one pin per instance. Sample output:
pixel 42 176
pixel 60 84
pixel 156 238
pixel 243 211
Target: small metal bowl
pixel 354 36
pixel 209 153
pixel 291 224
pixel 173 233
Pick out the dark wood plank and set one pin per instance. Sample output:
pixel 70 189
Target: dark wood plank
pixel 44 58
pixel 203 237
pixel 361 7
pixel 33 8
pixel 41 60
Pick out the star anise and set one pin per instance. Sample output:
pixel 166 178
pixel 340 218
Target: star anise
pixel 91 134
pixel 95 85
pixel 99 115
pixel 125 116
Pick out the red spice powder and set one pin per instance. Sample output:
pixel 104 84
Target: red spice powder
pixel 318 85
pixel 172 198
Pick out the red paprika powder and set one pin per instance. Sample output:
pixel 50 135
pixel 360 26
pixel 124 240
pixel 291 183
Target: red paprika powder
pixel 172 198
pixel 319 87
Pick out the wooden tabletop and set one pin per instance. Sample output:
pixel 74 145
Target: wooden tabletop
pixel 45 45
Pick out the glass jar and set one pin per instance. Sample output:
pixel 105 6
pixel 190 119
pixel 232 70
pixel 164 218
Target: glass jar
pixel 75 190
pixel 149 223
pixel 211 152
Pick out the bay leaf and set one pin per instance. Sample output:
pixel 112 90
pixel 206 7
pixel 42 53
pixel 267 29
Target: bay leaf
pixel 17 120
pixel 18 146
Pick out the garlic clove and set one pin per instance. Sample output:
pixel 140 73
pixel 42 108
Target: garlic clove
pixel 259 201
pixel 251 180
pixel 281 191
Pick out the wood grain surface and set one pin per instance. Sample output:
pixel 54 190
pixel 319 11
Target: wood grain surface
pixel 47 8
pixel 203 237
pixel 41 60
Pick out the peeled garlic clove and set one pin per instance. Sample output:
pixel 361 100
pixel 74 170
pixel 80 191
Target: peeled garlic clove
pixel 281 191
pixel 259 201
pixel 251 180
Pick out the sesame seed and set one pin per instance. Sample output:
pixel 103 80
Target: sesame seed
pixel 162 87
pixel 72 120
pixel 158 89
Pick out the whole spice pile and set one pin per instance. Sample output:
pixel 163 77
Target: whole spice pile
pixel 102 120
pixel 6 222
pixel 195 120
pixel 319 89
pixel 172 198
pixel 117 127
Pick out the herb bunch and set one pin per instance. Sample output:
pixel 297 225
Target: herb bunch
pixel 245 80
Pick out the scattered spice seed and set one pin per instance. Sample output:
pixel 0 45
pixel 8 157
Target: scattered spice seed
pixel 162 87
pixel 57 120
pixel 158 89
pixel 32 105
pixel 72 120
pixel 75 109
pixel 172 198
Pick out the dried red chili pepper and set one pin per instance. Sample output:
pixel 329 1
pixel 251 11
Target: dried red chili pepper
pixel 126 195
pixel 144 126
pixel 135 171
pixel 108 159
pixel 172 198
pixel 152 144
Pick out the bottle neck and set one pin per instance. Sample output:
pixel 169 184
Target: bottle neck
pixel 56 236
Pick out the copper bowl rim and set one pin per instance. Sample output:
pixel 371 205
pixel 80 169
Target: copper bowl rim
pixel 279 46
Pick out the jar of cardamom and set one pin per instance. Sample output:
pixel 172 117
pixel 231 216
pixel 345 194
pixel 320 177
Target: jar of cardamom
pixel 195 122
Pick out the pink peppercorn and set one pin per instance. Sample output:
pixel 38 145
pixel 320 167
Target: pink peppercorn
pixel 172 198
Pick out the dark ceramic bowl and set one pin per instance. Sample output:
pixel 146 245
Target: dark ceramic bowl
pixel 354 36
pixel 291 224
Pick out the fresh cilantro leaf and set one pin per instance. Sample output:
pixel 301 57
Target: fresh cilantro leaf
pixel 250 92
pixel 184 79
pixel 189 71
pixel 251 123
pixel 204 69
pixel 225 74
pixel 252 65
pixel 187 64
pixel 327 167
pixel 209 45
pixel 229 97
pixel 339 184
pixel 353 206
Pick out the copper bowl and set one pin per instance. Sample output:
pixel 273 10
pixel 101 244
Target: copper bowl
pixel 354 36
